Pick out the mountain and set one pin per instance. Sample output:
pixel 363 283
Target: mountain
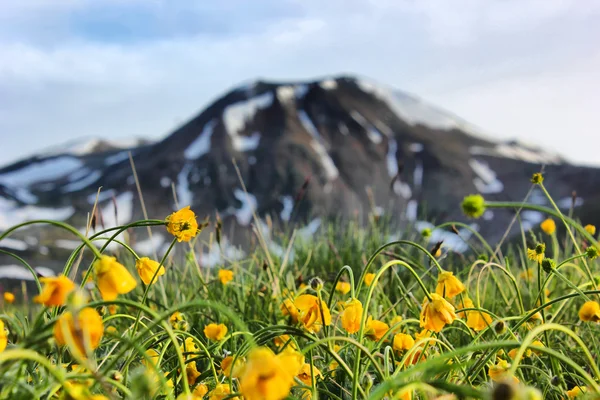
pixel 306 151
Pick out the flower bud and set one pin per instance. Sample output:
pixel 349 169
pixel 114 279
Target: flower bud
pixel 473 206
pixel 548 264
pixel 504 391
pixel 591 252
pixel 316 284
pixel 500 327
pixel 117 376
pixel 537 178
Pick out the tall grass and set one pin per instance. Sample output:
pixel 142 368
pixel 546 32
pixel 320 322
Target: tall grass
pixel 521 337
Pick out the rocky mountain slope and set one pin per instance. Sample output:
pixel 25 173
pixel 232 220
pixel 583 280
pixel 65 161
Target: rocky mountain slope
pixel 306 151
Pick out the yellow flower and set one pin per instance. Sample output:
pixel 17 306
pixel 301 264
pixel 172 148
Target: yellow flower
pixel 342 287
pixel 215 332
pixel 189 347
pixel 192 372
pixel 402 342
pixel 369 278
pixel 537 254
pixel 528 273
pixel 225 276
pixel 284 340
pixel 3 336
pixel 536 317
pixel 590 311
pixel 112 278
pixel 536 343
pixel 436 313
pixel 229 368
pixel 591 229
pixel 499 371
pixel 111 329
pixel 55 291
pixel 268 376
pixel 288 308
pixel 79 391
pixel 376 329
pixel 395 321
pixel 220 392
pixel 448 285
pixel 576 392
pixel 154 357
pixel 146 268
pixel 476 320
pixel 9 297
pixel 332 367
pixel 351 315
pixel 182 224
pixel 309 312
pixel 403 394
pixel 306 374
pixel 513 353
pixel 176 318
pixel 200 391
pixel 548 226
pixel 423 334
pixel 86 330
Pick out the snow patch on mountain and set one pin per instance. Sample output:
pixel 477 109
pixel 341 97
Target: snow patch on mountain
pixel 13 244
pixel 21 273
pixel 451 240
pixel 116 158
pixel 82 183
pixel 184 194
pixel 246 143
pixel 12 214
pixel 411 210
pixel 119 212
pixel 249 203
pixel 391 160
pixel 219 254
pixel 328 84
pixel 201 145
pixel 373 134
pixel 288 206
pixel 567 202
pixel 318 146
pixel 517 151
pixel 530 219
pixel 486 180
pixel 418 174
pixel 236 115
pixel 68 244
pixel 308 231
pixel 103 196
pixel 39 171
pixel 149 245
pixel 402 189
pixel 285 94
pixel 411 109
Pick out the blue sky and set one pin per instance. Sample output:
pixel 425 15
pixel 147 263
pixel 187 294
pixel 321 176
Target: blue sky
pixel 527 69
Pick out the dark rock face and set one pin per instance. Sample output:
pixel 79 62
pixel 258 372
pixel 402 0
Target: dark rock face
pixel 323 149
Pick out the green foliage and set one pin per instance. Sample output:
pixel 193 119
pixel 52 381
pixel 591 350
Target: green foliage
pixel 523 322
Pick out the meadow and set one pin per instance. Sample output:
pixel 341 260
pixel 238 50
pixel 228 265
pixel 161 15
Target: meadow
pixel 341 315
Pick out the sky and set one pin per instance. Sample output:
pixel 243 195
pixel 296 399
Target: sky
pixel 115 69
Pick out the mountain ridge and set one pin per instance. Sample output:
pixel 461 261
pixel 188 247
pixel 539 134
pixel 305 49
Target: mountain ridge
pixel 345 144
